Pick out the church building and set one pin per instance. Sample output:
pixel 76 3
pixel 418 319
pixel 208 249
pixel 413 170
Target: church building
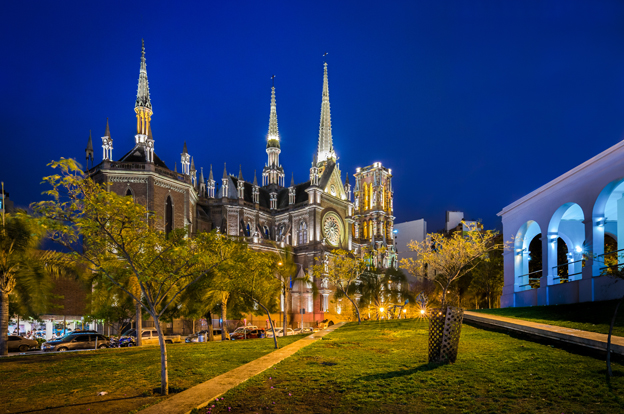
pixel 313 217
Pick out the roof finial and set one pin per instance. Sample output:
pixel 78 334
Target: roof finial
pixel 240 172
pixel 201 174
pixel 292 180
pixel 193 165
pixel 210 175
pixel 347 179
pixel 107 131
pixel 90 143
pixel 175 166
pixel 255 181
pixel 224 171
pixel 184 150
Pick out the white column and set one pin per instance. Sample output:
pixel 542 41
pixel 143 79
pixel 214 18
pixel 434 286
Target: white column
pixel 49 328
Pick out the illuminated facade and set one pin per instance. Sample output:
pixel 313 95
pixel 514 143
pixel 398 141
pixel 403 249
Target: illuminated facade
pixel 312 217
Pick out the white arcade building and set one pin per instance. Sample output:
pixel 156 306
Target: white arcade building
pixel 567 236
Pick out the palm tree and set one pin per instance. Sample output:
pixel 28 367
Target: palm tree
pixel 25 270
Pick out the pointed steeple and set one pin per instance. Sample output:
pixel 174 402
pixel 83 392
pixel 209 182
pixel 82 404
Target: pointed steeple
pixel 292 180
pixel 273 135
pixel 143 104
pixel 210 177
pixel 107 131
pixel 175 166
pixel 90 144
pixel 201 174
pixel 347 179
pixel 89 150
pixel 193 165
pixel 184 150
pixel 255 181
pixel 240 172
pixel 107 144
pixel 325 144
pixel 225 171
pixel 143 95
pixel 149 132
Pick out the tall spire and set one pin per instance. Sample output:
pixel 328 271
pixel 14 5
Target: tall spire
pixel 273 173
pixel 225 171
pixel 292 180
pixel 273 135
pixel 255 181
pixel 240 172
pixel 89 150
pixel 325 144
pixel 210 177
pixel 143 104
pixel 107 131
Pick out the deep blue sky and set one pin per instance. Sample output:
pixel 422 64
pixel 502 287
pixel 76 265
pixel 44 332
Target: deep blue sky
pixel 472 104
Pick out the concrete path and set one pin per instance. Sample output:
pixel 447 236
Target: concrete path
pixel 201 395
pixel 558 333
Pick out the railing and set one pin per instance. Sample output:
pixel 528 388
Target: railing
pixel 126 166
pixel 568 277
pixel 533 282
pixel 172 174
pixel 610 269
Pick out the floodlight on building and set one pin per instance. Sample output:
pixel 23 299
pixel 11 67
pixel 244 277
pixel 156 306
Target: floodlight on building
pixel 579 249
pixel 422 311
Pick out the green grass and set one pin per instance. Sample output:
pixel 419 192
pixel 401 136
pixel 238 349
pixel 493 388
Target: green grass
pixel 588 316
pixel 129 375
pixel 382 368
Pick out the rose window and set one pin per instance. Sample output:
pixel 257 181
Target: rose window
pixel 332 229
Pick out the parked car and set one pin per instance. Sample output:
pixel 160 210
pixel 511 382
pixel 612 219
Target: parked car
pixel 195 337
pixel 80 340
pixel 280 332
pixel 247 334
pixel 150 337
pixel 21 344
pixel 303 331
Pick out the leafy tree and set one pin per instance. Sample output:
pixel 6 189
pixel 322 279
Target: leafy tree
pixel 446 259
pixel 342 269
pixel 488 277
pixel 261 282
pixel 387 289
pixel 113 235
pixel 25 271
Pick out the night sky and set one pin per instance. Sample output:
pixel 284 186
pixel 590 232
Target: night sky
pixel 473 104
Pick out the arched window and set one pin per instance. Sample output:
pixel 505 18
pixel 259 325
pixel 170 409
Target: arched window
pixel 248 230
pixel 370 192
pixel 303 232
pixel 129 193
pixel 266 232
pixel 168 215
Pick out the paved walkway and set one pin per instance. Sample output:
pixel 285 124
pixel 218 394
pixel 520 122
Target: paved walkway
pixel 558 333
pixel 201 395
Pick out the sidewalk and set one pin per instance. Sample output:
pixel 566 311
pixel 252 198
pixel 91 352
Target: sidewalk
pixel 201 395
pixel 571 336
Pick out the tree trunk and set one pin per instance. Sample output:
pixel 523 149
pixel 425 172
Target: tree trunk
pixel 271 322
pixel 210 327
pixel 357 310
pixel 225 335
pixel 4 323
pixel 609 373
pixel 164 373
pixel 139 324
pixel 193 327
pixel 284 331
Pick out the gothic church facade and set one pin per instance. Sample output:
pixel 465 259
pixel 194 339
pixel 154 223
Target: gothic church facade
pixel 312 218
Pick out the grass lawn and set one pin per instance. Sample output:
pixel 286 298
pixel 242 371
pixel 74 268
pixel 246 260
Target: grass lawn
pixel 382 368
pixel 69 382
pixel 588 316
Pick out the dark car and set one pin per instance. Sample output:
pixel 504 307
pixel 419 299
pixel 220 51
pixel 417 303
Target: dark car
pixel 248 334
pixel 18 343
pixel 74 341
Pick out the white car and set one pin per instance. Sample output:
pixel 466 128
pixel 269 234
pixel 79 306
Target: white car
pixel 280 332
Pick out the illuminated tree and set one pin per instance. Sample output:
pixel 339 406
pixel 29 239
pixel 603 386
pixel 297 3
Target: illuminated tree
pixel 445 259
pixel 342 269
pixel 113 236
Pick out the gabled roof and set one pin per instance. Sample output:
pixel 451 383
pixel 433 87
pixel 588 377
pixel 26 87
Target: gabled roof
pixel 137 154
